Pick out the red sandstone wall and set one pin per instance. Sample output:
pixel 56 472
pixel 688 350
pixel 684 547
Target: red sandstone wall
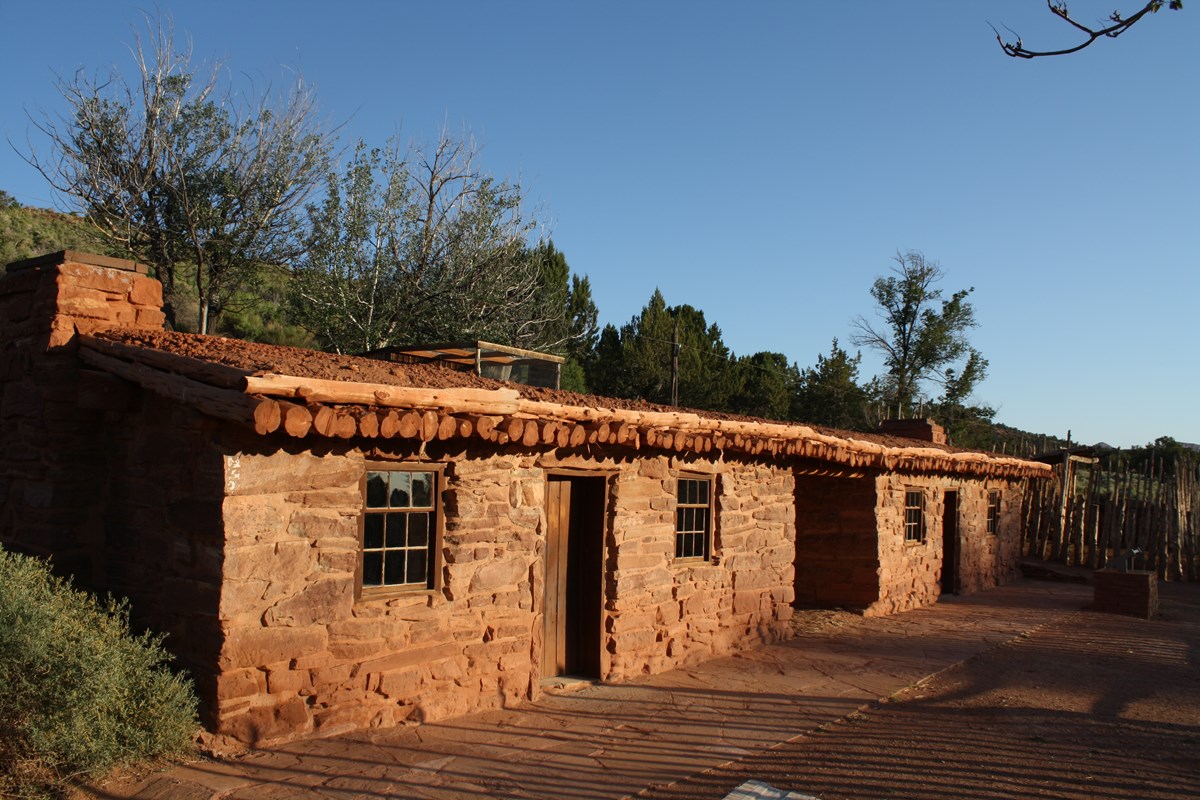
pixel 162 544
pixel 989 560
pixel 837 551
pixel 52 412
pixel 911 573
pixel 664 614
pixel 302 656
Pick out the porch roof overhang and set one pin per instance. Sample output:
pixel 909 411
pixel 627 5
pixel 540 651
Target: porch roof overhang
pixel 302 407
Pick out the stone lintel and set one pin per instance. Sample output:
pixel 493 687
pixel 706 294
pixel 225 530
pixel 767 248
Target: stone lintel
pixel 77 257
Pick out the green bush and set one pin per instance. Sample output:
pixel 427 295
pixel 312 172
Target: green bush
pixel 79 694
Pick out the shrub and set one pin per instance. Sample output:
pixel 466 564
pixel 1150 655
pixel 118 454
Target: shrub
pixel 79 693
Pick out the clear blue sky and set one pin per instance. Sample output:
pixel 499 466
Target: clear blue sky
pixel 764 162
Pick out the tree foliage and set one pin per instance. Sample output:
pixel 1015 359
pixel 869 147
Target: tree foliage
pixel 1118 24
pixel 636 360
pixel 419 245
pixel 829 393
pixel 923 336
pixel 174 167
pixel 766 385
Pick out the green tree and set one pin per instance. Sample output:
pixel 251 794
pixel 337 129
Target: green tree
pixel 636 361
pixel 766 386
pixel 923 338
pixel 420 246
pixel 829 392
pixel 176 168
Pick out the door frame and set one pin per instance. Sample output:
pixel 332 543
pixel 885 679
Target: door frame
pixel 570 473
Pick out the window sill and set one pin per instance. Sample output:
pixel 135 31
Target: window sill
pixel 393 593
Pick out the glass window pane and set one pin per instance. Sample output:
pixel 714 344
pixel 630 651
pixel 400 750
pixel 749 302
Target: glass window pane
pixel 377 489
pixel 701 520
pixel 372 569
pixel 679 526
pixel 416 566
pixel 418 529
pixel 422 489
pixel 702 492
pixel 401 491
pixel 372 530
pixel 395 529
pixel 393 569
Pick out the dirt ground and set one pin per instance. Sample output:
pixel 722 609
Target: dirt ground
pixel 1087 706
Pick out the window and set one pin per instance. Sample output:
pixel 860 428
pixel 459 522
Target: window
pixel 693 519
pixel 914 516
pixel 399 529
pixel 993 511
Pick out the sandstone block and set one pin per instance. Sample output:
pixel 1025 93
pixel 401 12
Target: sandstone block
pixel 251 647
pixel 500 574
pixel 318 602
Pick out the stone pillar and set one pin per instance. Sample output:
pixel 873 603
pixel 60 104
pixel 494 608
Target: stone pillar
pixel 52 410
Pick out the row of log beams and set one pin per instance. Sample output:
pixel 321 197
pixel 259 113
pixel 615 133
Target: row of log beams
pixel 345 422
pixel 302 406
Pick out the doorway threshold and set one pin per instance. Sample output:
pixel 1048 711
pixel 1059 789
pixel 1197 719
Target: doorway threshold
pixel 561 684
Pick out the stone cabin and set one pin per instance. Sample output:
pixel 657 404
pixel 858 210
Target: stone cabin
pixel 334 543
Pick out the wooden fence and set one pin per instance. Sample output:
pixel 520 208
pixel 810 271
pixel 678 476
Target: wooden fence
pixel 1138 510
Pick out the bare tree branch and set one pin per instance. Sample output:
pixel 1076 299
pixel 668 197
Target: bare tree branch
pixel 1119 25
pixel 180 172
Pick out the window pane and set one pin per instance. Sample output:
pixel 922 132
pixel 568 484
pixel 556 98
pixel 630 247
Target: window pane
pixel 393 571
pixel 416 566
pixel 377 489
pixel 702 492
pixel 422 489
pixel 372 569
pixel 401 492
pixel 395 529
pixel 418 529
pixel 372 530
pixel 701 520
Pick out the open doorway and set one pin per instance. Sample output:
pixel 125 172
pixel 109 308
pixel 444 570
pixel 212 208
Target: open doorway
pixel 950 543
pixel 575 508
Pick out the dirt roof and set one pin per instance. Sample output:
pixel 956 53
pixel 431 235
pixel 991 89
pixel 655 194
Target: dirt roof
pixel 196 357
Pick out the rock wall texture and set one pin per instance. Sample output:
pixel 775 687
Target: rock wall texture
pixel 851 550
pixel 302 655
pixel 910 573
pixel 53 412
pixel 837 548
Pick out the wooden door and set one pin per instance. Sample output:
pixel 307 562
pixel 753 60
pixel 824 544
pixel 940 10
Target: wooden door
pixel 950 544
pixel 574 576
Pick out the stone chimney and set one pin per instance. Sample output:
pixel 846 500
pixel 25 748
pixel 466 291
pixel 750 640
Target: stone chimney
pixel 53 410
pixel 925 430
pixel 49 299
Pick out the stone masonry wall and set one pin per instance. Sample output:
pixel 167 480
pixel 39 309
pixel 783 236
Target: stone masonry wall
pixel 301 656
pixel 162 543
pixel 662 614
pixel 911 573
pixel 52 411
pixel 987 561
pixel 837 550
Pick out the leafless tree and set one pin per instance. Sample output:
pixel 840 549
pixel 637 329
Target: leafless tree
pixel 1118 25
pixel 418 244
pixel 201 182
